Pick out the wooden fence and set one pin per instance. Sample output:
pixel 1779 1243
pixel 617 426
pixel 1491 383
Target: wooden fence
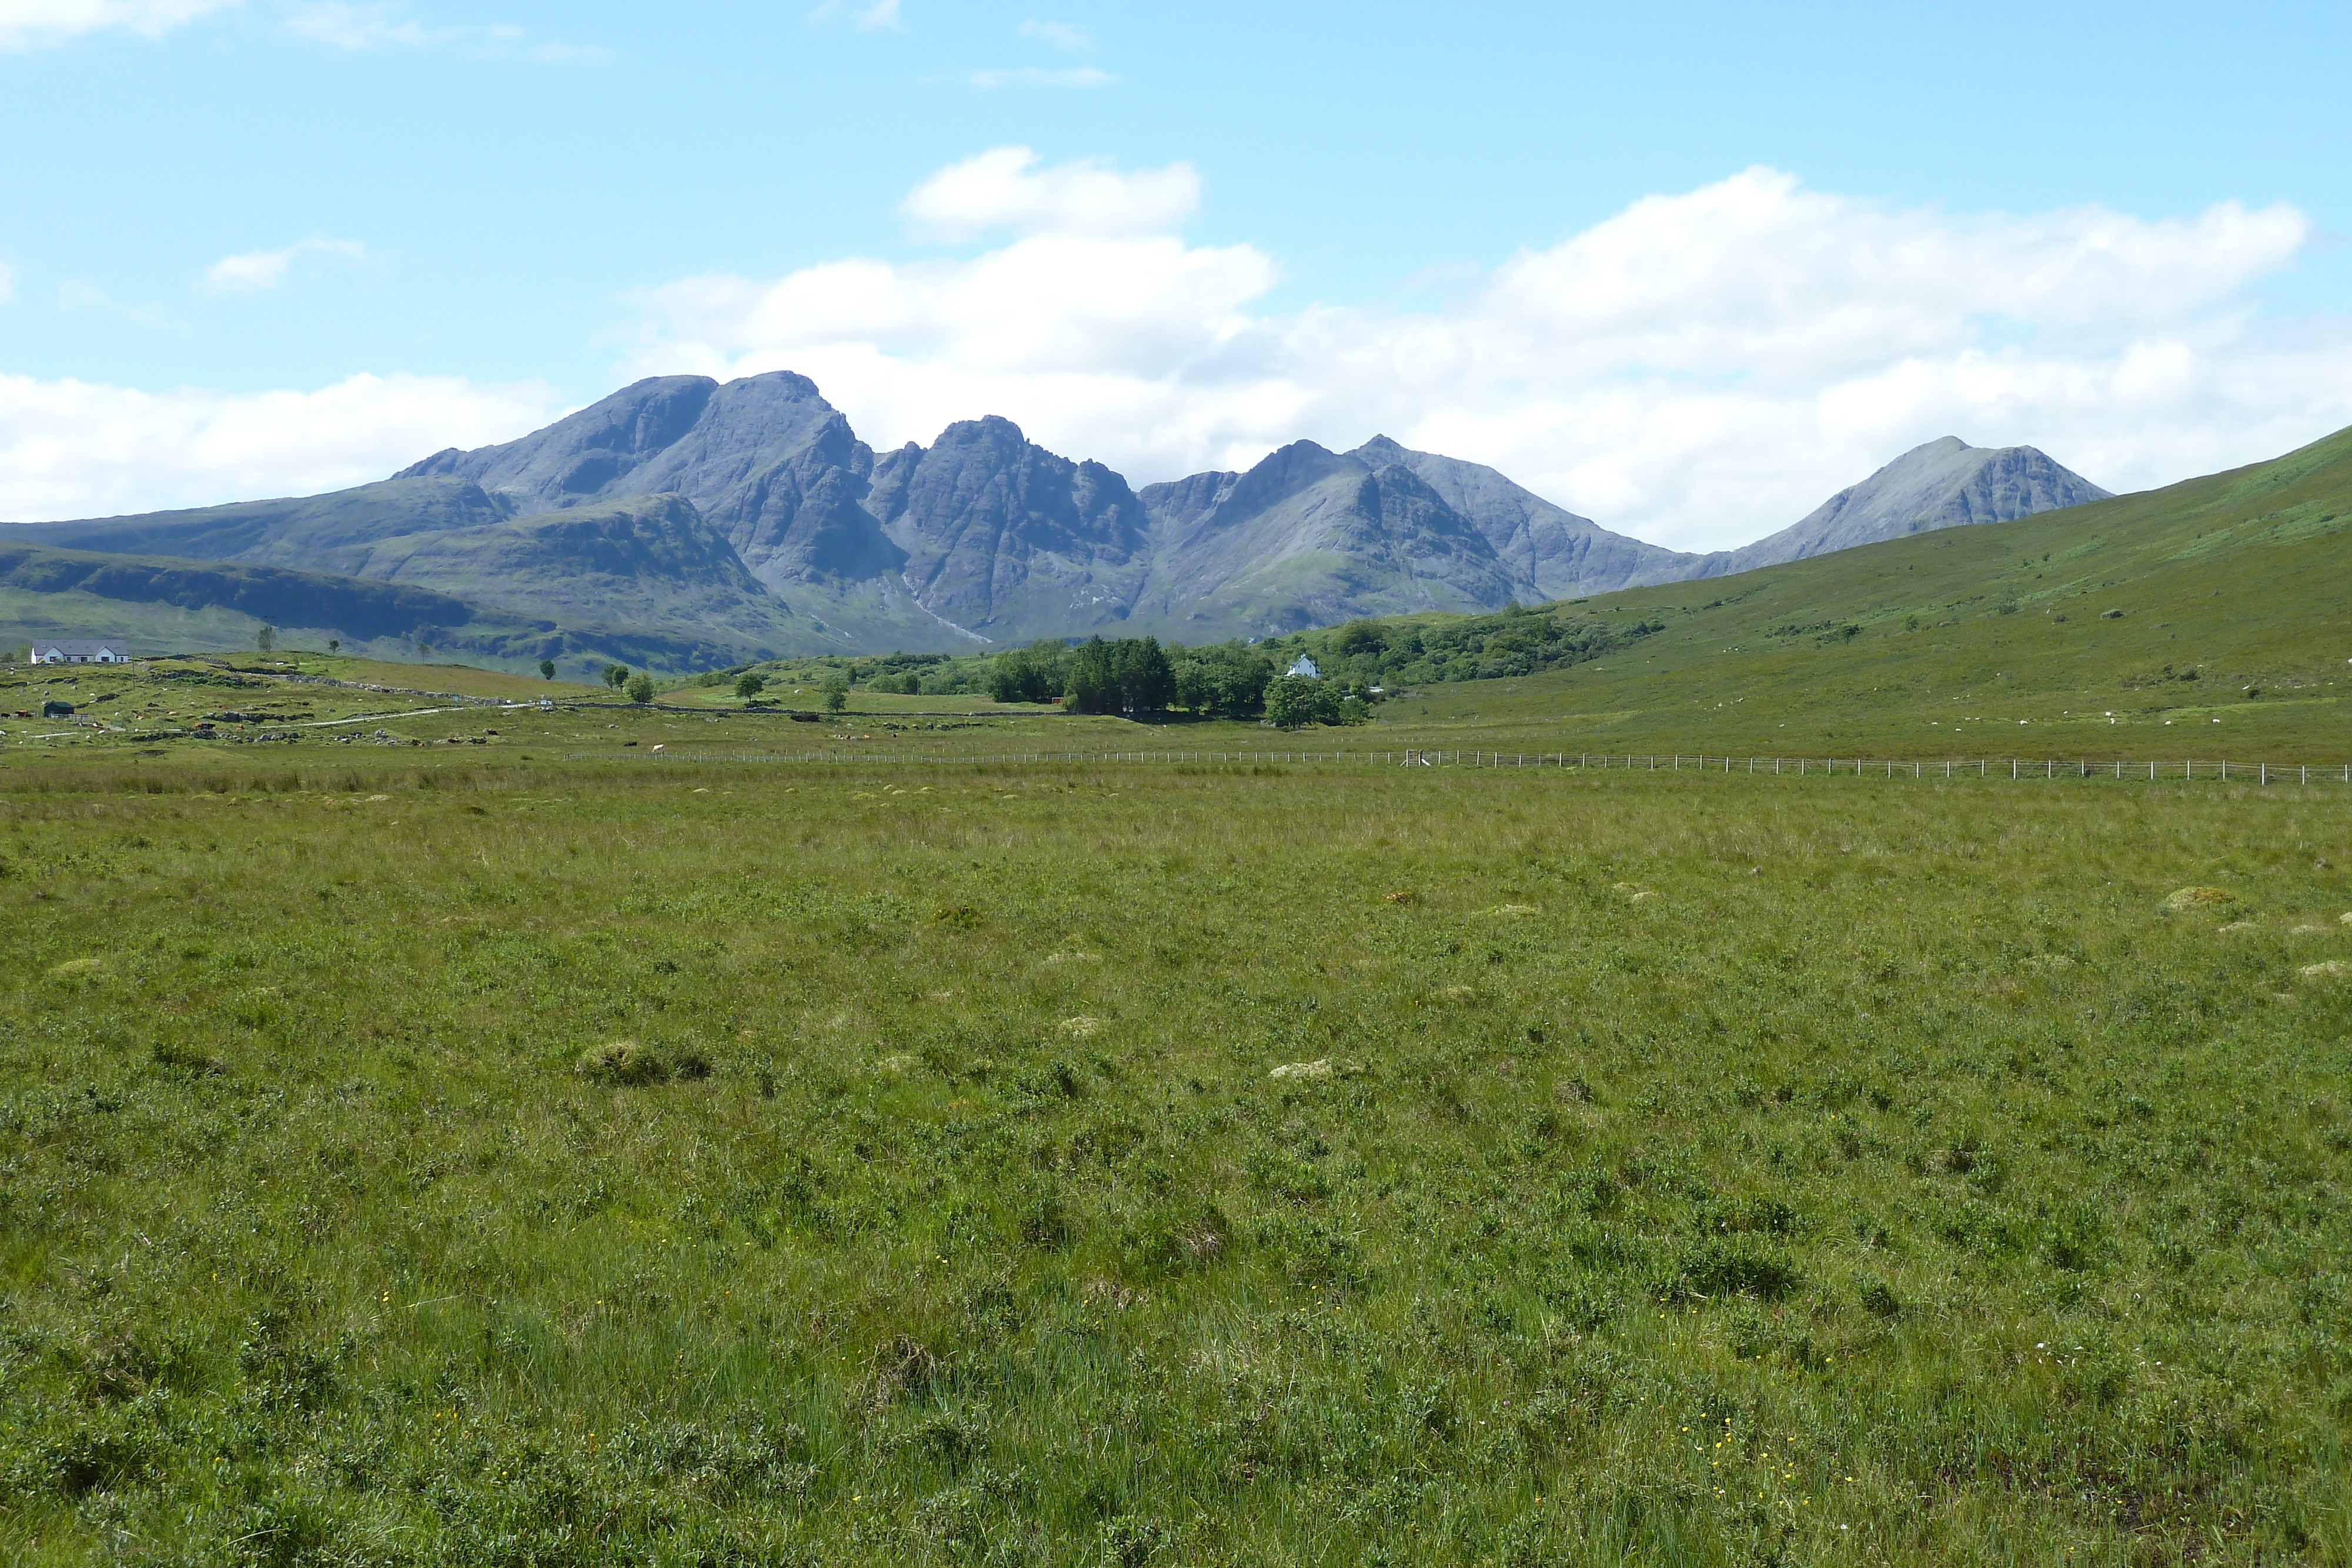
pixel 2014 768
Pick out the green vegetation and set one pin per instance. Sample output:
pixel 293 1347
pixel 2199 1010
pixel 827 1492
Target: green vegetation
pixel 1293 702
pixel 2202 620
pixel 923 1165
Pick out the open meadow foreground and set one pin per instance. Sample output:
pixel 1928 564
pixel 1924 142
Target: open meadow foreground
pixel 436 1158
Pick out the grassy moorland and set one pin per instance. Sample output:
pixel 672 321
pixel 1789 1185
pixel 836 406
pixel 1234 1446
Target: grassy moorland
pixel 431 1159
pixel 2207 619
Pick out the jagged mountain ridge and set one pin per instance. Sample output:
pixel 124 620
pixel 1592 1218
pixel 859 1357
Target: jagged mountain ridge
pixel 986 538
pixel 747 517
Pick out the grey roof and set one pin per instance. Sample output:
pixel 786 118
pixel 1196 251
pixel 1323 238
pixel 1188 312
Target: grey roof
pixel 69 646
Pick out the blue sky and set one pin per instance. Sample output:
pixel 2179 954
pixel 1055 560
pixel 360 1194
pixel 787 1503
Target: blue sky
pixel 497 212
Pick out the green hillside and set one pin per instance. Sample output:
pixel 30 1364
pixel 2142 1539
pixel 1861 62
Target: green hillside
pixel 2211 617
pixel 160 604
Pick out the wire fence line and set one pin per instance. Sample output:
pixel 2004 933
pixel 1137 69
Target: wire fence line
pixel 2013 769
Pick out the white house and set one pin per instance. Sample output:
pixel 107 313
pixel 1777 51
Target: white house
pixel 1305 667
pixel 80 651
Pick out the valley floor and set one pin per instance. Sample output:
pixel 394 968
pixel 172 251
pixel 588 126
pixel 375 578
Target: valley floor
pixel 439 1156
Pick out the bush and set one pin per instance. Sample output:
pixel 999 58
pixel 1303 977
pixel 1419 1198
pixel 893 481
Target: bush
pixel 641 687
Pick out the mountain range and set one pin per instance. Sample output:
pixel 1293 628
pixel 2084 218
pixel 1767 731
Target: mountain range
pixel 682 522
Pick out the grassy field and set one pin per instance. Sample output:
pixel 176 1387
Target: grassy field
pixel 438 1158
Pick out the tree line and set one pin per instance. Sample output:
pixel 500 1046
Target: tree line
pixel 1142 675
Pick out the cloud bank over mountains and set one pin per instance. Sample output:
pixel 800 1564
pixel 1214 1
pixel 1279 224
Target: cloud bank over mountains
pixel 1694 370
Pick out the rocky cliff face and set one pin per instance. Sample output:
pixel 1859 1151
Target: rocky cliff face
pixel 1551 552
pixel 751 504
pixel 1002 536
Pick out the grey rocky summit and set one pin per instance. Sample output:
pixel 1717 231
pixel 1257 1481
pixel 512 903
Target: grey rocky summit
pixel 747 519
pixel 1945 484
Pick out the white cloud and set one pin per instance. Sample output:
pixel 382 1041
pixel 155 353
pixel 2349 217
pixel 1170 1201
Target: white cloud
pixel 1038 75
pixel 81 449
pixel 1698 369
pixel 1003 188
pixel 869 16
pixel 1061 35
pixel 345 25
pixel 259 270
pixel 29 23
pixel 356 25
pixel 340 23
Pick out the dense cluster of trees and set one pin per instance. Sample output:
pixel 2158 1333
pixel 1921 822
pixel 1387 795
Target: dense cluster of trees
pixel 1358 662
pixel 1293 702
pixel 1513 642
pixel 1142 674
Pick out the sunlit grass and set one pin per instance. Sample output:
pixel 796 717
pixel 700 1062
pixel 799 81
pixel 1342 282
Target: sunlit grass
pixel 1705 1170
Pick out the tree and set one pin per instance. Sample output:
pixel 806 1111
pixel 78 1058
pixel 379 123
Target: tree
pixel 1147 681
pixel 641 687
pixel 749 685
pixel 334 644
pixel 1228 679
pixel 617 676
pixel 1093 682
pixel 266 639
pixel 1132 674
pixel 1293 702
pixel 1036 673
pixel 547 669
pixel 836 692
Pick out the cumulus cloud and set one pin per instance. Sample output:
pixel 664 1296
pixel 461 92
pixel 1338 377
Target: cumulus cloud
pixel 1699 369
pixel 256 271
pixel 26 24
pixel 82 449
pixel 1004 188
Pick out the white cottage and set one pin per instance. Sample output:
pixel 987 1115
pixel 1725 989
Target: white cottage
pixel 1306 666
pixel 80 651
